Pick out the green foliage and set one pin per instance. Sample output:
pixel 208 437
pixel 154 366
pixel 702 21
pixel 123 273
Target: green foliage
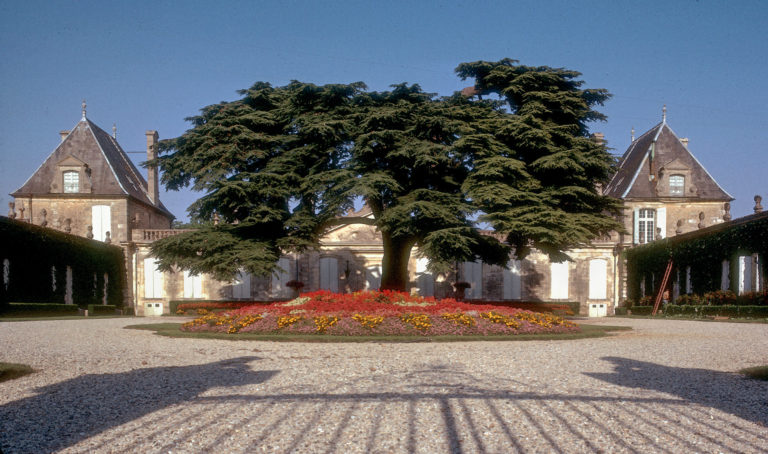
pixel 283 164
pixel 704 254
pixel 39 309
pixel 101 309
pixel 39 256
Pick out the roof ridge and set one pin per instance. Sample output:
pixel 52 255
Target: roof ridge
pixel 91 126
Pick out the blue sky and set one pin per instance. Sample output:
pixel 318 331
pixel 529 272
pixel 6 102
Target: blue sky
pixel 148 65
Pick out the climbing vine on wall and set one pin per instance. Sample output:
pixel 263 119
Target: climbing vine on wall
pixel 35 262
pixel 703 253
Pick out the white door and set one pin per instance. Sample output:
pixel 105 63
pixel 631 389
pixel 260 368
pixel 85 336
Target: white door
pixel 745 274
pixel 153 309
pixel 329 274
pixel 598 310
pixel 101 222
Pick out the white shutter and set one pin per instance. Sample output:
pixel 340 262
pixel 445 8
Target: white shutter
pixel 725 275
pixel 512 282
pixel 598 279
pixel 424 279
pixel 242 285
pixel 153 279
pixel 373 277
pixel 745 274
pixel 636 229
pixel 559 280
pixel 193 285
pixel 473 273
pixel 661 222
pixel 280 278
pixel 329 274
pixel 100 221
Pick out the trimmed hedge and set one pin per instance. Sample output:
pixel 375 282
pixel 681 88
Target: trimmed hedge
pixel 101 309
pixel 621 311
pixel 719 311
pixel 39 256
pixel 704 311
pixel 641 310
pixel 211 305
pixel 39 309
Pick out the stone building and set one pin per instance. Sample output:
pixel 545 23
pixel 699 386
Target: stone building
pixel 88 186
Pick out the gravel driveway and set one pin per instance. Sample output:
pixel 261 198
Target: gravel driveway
pixel 666 386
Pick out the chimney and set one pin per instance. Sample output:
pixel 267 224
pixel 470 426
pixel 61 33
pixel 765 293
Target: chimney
pixel 152 176
pixel 63 135
pixel 684 140
pixel 599 138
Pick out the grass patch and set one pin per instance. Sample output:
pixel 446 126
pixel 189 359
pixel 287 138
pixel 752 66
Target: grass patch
pixel 9 371
pixel 758 373
pixel 173 330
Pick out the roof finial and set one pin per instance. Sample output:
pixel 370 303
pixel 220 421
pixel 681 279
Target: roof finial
pixel 114 131
pixel 664 114
pixel 633 133
pixel 83 108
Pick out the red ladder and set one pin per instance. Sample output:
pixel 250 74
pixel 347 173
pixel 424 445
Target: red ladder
pixel 662 287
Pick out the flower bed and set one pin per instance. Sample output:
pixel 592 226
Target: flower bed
pixel 379 313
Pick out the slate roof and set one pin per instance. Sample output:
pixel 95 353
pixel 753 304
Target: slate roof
pixel 112 172
pixel 652 151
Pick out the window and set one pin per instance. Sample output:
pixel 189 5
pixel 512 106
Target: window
pixel 598 279
pixel 329 274
pixel 473 273
pixel 193 285
pixel 241 287
pixel 559 284
pixel 424 279
pixel 280 278
pixel 677 185
pixel 153 279
pixel 512 282
pixel 71 181
pixel 101 221
pixel 646 231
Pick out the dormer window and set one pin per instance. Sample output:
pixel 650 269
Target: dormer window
pixel 676 185
pixel 71 181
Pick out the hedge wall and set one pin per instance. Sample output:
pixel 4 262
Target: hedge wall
pixel 705 311
pixel 704 251
pixel 32 258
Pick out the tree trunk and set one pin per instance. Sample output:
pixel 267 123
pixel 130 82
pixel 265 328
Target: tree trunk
pixel 394 267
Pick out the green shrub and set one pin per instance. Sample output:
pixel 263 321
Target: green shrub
pixel 39 309
pixel 621 311
pixel 101 309
pixel 642 310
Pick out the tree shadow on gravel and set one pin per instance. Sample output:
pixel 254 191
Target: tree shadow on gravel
pixel 68 412
pixel 728 392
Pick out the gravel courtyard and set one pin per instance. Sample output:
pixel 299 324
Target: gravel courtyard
pixel 666 386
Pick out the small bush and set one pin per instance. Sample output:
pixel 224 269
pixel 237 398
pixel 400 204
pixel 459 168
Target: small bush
pixel 621 311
